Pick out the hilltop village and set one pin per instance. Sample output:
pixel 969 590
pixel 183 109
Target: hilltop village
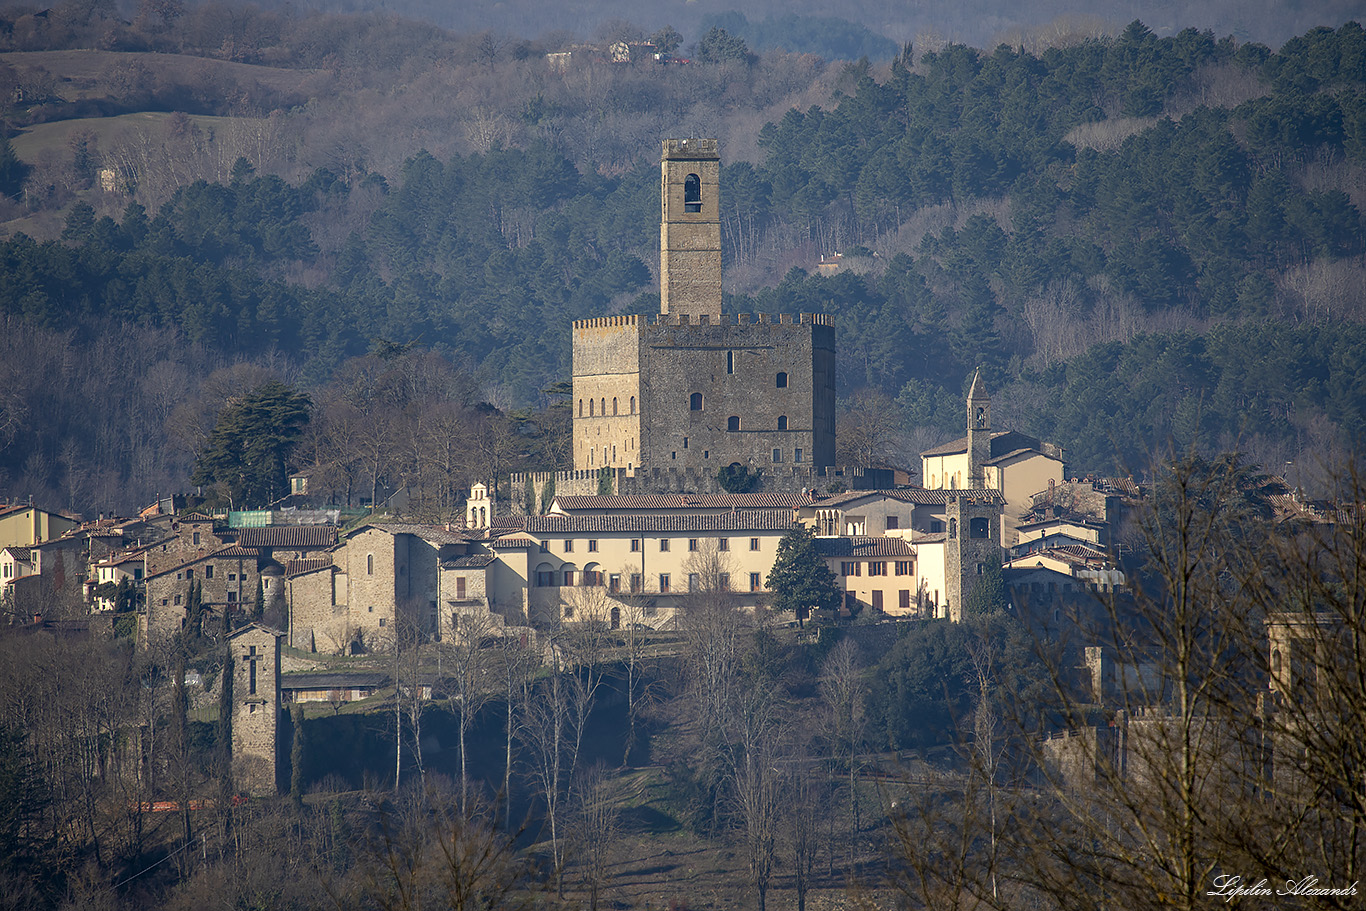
pixel 703 468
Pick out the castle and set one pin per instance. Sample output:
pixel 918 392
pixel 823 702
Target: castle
pixel 665 403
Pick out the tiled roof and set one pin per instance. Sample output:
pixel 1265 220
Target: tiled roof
pixel 333 680
pixel 469 561
pixel 309 565
pixel 864 548
pixel 916 496
pixel 516 539
pixel 296 536
pixel 740 520
pixel 230 551
pixel 1000 439
pixel 21 554
pixel 437 534
pixel 682 501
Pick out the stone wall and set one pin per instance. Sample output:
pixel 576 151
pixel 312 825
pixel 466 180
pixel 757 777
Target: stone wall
pixel 255 655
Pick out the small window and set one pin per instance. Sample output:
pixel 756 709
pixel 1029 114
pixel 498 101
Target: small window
pixel 733 423
pixel 635 545
pixel 369 564
pixel 189 574
pixel 545 547
pixel 208 571
pixel 633 404
pixel 232 596
pixel 904 599
pixel 723 581
pixel 545 579
pixel 460 588
pixel 177 599
pixel 782 422
pixel 782 381
pixel 569 612
pixel 692 545
pixel 381 621
pixel 569 577
pixel 603 403
pixel 685 442
pixel 580 407
pixel 664 583
pixel 614 582
pixel 196 537
pixel 877 600
pixel 592 408
pixel 637 581
pixel 694 582
pixel 723 543
pixel 706 453
pixel 777 455
pixel 979 527
pixel 569 545
pixel 692 193
pixel 850 568
pixel 797 455
pixel 730 361
pixel 663 545
pixel 753 543
pixel 694 404
pixel 893 523
pixel 754 582
pixel 370 609
pixel 592 545
pixel 903 567
pixel 614 405
pixel 877 568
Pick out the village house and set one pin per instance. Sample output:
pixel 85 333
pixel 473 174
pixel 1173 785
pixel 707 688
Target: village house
pixel 25 526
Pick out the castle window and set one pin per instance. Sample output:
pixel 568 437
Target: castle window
pixel 685 442
pixel 953 528
pixel 196 537
pixel 777 455
pixel 692 193
pixel 797 455
pixel 592 408
pixel 979 528
pixel 208 571
pixel 733 423
pixel 369 564
pixel 633 404
pixel 782 422
pixel 782 381
pixel 580 407
pixel 604 406
pixel 614 405
pixel 695 402
pixel 730 361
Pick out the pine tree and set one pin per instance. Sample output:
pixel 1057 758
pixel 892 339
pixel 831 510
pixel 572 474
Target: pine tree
pixel 800 579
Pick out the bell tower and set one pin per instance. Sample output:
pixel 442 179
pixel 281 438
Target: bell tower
pixel 690 229
pixel 979 431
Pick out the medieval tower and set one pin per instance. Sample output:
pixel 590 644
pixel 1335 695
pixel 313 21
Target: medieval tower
pixel 691 391
pixel 974 516
pixel 255 669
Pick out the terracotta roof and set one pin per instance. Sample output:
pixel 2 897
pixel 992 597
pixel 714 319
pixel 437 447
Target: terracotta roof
pixel 21 554
pixel 437 534
pixel 308 565
pixel 859 547
pixel 682 501
pixel 740 520
pixel 297 536
pixel 469 561
pixel 230 550
pixel 516 539
pixel 1002 442
pixel 917 496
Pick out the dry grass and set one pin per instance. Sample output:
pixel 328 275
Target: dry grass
pixel 30 144
pixel 87 69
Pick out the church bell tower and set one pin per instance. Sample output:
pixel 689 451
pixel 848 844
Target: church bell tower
pixel 979 432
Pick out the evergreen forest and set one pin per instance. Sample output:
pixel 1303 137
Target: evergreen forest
pixel 1148 243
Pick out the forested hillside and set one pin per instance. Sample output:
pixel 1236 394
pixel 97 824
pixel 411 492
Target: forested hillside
pixel 1144 240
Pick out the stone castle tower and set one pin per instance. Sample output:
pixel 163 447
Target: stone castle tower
pixel 255 655
pixel 690 228
pixel 692 390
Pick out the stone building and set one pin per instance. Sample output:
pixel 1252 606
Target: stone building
pixel 675 398
pixel 255 652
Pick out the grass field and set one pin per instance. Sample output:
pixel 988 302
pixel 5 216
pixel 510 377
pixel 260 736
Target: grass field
pixel 30 143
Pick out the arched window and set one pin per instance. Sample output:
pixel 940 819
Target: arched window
pixel 633 404
pixel 782 422
pixel 692 193
pixel 369 564
pixel 978 528
pixel 730 361
pixel 580 407
pixel 604 406
pixel 695 402
pixel 614 404
pixel 953 528
pixel 782 381
pixel 591 405
pixel 733 423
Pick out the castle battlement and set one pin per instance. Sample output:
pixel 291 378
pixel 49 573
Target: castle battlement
pixel 743 319
pixel 607 322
